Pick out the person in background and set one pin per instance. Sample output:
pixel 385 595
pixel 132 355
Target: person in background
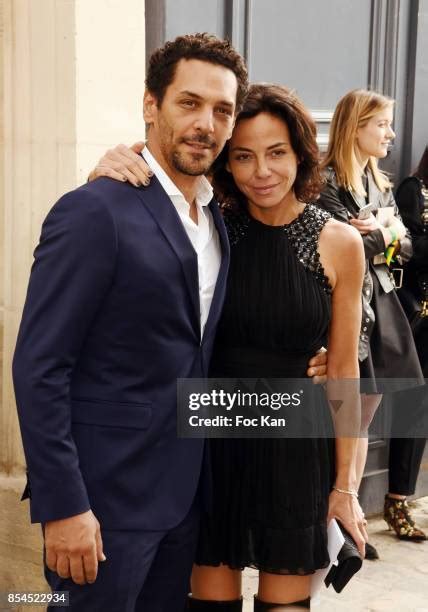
pixel 405 454
pixel 360 133
pixel 412 201
pixel 288 293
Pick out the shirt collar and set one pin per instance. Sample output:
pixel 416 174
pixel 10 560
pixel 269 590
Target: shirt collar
pixel 204 192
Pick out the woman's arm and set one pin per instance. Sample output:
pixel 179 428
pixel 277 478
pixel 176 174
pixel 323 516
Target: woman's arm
pixel 375 237
pixel 342 255
pixel 395 230
pixel 123 164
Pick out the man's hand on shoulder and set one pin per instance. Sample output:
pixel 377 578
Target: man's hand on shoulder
pixel 74 547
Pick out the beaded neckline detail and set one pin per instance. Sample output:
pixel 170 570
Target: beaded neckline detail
pixel 302 233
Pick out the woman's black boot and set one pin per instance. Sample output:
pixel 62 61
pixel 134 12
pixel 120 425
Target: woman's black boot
pixel 202 605
pixel 263 606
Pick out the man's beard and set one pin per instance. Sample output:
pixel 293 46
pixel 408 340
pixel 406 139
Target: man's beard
pixel 192 167
pixel 194 164
pixel 180 161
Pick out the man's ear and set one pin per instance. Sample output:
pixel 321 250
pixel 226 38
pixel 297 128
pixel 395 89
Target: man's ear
pixel 150 107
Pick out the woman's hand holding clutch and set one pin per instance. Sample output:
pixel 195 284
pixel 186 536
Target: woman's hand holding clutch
pixel 345 508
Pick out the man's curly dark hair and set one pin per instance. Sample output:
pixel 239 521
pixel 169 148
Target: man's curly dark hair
pixel 202 46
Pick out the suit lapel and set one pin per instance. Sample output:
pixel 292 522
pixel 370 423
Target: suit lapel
pixel 157 202
pixel 159 205
pixel 220 288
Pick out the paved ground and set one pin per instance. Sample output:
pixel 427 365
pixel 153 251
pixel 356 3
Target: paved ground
pixel 398 582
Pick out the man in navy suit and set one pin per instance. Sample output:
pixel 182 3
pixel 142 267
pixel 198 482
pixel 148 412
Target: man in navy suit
pixel 125 293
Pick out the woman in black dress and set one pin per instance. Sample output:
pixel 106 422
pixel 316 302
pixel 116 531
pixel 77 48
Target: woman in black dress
pixel 360 134
pixel 412 201
pixel 289 293
pixel 405 454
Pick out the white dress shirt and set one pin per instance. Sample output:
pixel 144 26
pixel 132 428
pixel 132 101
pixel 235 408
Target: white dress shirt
pixel 203 235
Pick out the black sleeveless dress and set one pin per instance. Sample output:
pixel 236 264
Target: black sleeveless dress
pixel 270 498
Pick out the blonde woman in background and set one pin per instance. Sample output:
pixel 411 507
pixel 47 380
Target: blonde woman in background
pixel 360 134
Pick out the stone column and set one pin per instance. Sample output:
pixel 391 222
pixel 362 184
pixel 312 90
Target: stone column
pixel 71 85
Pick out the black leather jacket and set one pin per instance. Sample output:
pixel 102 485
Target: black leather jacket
pixel 345 205
pixel 410 200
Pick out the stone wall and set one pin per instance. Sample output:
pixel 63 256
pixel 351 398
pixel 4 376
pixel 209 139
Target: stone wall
pixel 71 85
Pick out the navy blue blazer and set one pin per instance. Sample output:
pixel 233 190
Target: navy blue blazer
pixel 110 322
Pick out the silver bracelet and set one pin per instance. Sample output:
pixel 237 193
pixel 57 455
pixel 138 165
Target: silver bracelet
pixel 347 491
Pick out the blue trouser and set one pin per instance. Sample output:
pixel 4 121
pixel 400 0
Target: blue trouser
pixel 145 571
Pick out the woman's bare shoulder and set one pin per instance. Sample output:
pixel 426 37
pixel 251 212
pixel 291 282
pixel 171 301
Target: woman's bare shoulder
pixel 341 235
pixel 341 250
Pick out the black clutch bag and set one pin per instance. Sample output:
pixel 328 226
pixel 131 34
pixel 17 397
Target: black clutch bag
pixel 349 563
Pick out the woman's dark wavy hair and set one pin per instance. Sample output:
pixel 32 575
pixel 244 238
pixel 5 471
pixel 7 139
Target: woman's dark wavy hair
pixel 280 102
pixel 422 169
